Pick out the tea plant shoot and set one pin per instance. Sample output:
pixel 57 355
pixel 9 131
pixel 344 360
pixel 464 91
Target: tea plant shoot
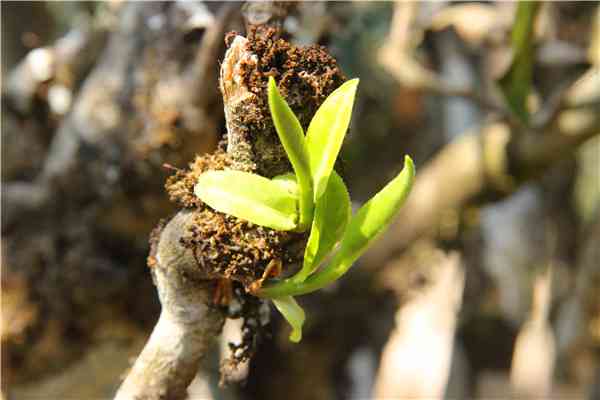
pixel 314 198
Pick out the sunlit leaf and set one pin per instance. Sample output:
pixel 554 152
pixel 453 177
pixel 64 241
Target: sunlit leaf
pixel 370 221
pixel 326 133
pixel 292 138
pixel 293 313
pixel 516 82
pixel 250 197
pixel 332 213
pixel 287 182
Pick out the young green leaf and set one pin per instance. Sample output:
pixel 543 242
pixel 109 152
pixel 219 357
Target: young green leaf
pixel 326 133
pixel 293 313
pixel 292 138
pixel 370 220
pixel 250 197
pixel 287 182
pixel 332 214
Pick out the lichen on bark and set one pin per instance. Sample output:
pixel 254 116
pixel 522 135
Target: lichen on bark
pixel 305 77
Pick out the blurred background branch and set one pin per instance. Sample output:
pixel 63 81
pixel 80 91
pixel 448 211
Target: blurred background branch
pixel 98 96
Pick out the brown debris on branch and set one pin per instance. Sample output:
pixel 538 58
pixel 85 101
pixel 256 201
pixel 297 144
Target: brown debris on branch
pixel 180 186
pixel 199 246
pixel 305 77
pixel 224 246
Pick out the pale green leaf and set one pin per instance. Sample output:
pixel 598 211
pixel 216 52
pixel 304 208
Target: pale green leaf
pixel 292 138
pixel 249 197
pixel 326 133
pixel 370 220
pixel 332 212
pixel 287 182
pixel 294 315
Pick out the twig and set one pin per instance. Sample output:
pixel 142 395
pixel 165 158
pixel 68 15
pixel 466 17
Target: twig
pixel 415 362
pixel 188 323
pixel 396 56
pixel 554 105
pixel 205 65
pixel 482 161
pixel 535 341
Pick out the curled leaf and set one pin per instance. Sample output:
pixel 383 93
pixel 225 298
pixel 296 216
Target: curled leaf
pixel 291 135
pixel 370 220
pixel 294 315
pixel 326 133
pixel 250 197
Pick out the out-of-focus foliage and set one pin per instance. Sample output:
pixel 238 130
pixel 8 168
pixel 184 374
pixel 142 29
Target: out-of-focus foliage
pixel 516 82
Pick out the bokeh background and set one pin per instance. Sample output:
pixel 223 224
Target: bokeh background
pixel 486 286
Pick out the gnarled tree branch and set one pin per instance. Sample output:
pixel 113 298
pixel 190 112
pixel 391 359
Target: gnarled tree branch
pixel 188 321
pixel 487 160
pixel 187 325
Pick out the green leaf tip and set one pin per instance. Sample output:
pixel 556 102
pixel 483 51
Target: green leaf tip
pixel 368 223
pixel 294 315
pixel 326 133
pixel 249 197
pixel 291 135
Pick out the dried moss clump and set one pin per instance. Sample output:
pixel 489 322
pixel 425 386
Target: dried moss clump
pixel 180 186
pixel 225 246
pixel 305 76
pixel 235 249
